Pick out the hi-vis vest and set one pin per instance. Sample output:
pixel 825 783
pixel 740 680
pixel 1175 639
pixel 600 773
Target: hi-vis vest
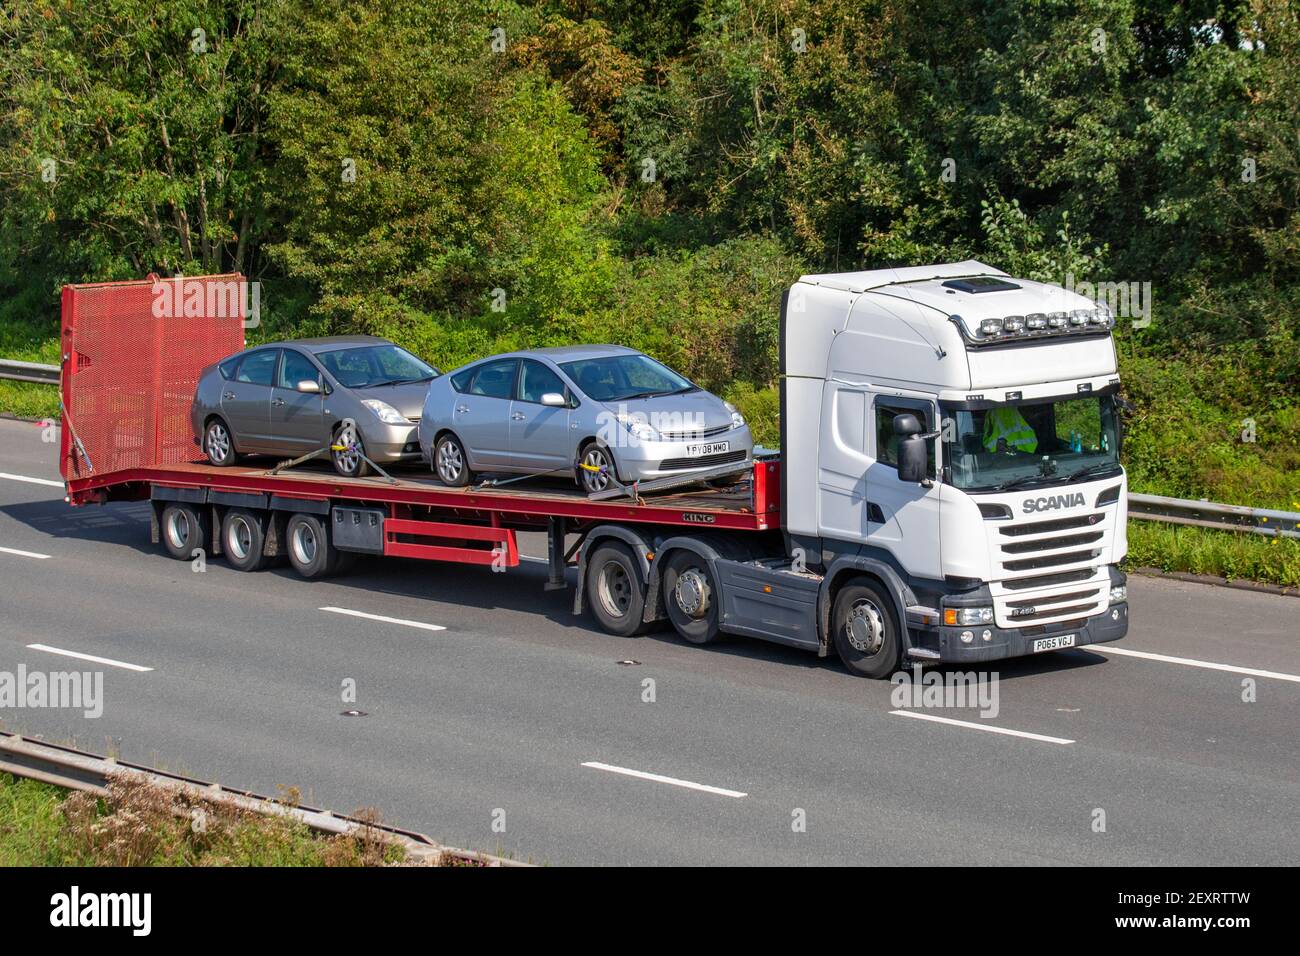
pixel 1009 424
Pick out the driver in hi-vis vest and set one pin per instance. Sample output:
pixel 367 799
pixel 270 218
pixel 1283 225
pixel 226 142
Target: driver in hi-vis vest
pixel 1005 429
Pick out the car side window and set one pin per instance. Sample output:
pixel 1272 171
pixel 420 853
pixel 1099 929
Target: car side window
pixel 538 379
pixel 460 381
pixel 495 379
pixel 887 441
pixel 258 368
pixel 296 368
pixel 228 367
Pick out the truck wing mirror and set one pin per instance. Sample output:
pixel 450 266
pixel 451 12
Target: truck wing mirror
pixel 912 459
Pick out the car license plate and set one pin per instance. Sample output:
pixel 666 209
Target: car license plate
pixel 709 448
pixel 1053 643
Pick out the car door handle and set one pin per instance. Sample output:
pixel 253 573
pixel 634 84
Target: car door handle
pixel 277 401
pixel 228 395
pixel 462 408
pixel 518 416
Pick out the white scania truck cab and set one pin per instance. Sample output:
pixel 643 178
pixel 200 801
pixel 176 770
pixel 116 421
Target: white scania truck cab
pixel 951 472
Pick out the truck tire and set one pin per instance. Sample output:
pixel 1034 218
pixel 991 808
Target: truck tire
pixel 615 589
pixel 450 463
pixel 691 597
pixel 348 462
pixel 218 443
pixel 311 553
pixel 243 536
pixel 184 530
pixel 865 630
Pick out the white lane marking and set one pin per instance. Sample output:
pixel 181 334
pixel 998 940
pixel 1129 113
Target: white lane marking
pixel 386 620
pixel 974 726
pixel 88 657
pixel 657 778
pixel 24 554
pixel 34 481
pixel 1189 662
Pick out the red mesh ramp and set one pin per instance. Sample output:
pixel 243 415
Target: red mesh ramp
pixel 132 353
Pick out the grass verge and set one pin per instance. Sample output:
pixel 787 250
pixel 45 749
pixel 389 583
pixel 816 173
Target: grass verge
pixel 1228 554
pixel 142 825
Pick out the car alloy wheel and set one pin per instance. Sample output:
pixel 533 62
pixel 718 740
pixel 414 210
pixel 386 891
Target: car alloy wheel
pixel 217 443
pixel 597 469
pixel 451 462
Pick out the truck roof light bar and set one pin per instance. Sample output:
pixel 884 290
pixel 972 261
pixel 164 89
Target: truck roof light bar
pixel 1036 325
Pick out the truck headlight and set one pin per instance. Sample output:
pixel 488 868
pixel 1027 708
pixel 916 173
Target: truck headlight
pixel 386 413
pixel 737 419
pixel 968 615
pixel 1119 594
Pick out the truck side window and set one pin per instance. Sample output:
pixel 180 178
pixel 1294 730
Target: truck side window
pixel 887 441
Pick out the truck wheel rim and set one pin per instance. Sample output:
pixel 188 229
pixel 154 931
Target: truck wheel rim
pixel 615 589
pixel 218 442
pixel 239 539
pixel 865 627
pixel 450 461
pixel 178 529
pixel 596 480
pixel 304 544
pixel 692 593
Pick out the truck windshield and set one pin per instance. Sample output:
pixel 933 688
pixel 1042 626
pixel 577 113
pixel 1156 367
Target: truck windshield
pixel 1030 443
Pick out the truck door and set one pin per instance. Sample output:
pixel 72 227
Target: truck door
pixel 906 520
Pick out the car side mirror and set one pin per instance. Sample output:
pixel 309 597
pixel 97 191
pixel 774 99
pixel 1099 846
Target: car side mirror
pixel 307 385
pixel 554 399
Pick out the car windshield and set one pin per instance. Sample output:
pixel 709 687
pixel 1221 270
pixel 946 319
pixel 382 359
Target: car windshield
pixel 1030 443
pixel 366 366
pixel 617 378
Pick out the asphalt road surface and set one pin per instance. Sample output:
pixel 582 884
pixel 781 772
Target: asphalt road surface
pixel 1178 745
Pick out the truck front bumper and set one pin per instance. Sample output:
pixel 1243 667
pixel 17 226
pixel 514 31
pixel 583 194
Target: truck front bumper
pixel 1110 625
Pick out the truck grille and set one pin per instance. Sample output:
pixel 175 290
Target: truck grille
pixel 704 461
pixel 1061 555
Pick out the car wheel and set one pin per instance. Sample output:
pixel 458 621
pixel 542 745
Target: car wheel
pixel 218 444
pixel 691 597
pixel 184 530
pixel 595 468
pixel 865 631
pixel 615 590
pixel 243 539
pixel 346 451
pixel 450 462
pixel 311 553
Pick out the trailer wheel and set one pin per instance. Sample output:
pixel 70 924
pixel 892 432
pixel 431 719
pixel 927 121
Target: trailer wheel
pixel 450 462
pixel 311 552
pixel 615 590
pixel 243 535
pixel 865 630
pixel 691 597
pixel 218 443
pixel 184 530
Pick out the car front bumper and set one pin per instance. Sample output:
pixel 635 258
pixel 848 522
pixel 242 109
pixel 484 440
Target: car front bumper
pixel 391 443
pixel 645 460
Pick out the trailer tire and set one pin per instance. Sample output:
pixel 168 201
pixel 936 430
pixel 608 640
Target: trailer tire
pixel 311 553
pixel 691 597
pixel 615 590
pixel 865 630
pixel 184 530
pixel 243 538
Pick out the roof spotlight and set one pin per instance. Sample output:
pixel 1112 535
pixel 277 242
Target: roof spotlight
pixel 1014 324
pixel 1036 321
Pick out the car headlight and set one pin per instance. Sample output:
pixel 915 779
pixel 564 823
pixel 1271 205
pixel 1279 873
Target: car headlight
pixel 737 419
pixel 1119 594
pixel 385 412
pixel 639 428
pixel 968 615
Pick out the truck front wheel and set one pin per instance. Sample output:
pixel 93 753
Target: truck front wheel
pixel 865 631
pixel 615 591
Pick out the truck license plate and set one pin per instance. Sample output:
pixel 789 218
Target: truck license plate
pixel 1053 643
pixel 710 448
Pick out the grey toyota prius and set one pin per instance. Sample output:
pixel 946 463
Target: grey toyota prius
pixel 358 395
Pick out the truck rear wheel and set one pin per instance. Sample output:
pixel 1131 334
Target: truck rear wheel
pixel 184 530
pixel 615 590
pixel 243 537
pixel 865 631
pixel 310 550
pixel 691 597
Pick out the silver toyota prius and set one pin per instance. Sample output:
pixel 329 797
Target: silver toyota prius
pixel 357 395
pixel 595 412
